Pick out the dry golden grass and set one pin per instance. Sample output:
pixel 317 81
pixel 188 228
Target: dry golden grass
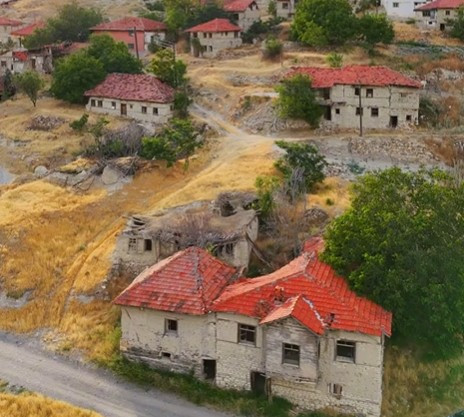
pixel 34 405
pixel 332 195
pixel 412 33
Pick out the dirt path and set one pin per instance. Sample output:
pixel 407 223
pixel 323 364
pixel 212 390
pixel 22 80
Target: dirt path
pixel 25 365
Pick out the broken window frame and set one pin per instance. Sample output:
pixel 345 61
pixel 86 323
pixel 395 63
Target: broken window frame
pixel 369 92
pixel 246 334
pixel 171 326
pixel 291 354
pixel 132 244
pixel 147 245
pixel 343 349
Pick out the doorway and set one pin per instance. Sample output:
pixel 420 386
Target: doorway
pixel 258 383
pixel 393 121
pixel 123 109
pixel 209 369
pixel 327 112
pixel 442 27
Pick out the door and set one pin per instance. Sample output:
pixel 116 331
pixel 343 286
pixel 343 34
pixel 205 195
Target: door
pixel 442 27
pixel 209 369
pixel 123 109
pixel 33 65
pixel 258 383
pixel 327 112
pixel 393 121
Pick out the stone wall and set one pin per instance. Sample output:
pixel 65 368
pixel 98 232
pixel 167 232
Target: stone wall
pixel 134 109
pixel 214 42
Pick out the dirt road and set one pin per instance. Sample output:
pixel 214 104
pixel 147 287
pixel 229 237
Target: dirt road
pixel 23 364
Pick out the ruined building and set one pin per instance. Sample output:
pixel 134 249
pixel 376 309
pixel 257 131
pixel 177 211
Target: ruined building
pixel 227 228
pixel 298 333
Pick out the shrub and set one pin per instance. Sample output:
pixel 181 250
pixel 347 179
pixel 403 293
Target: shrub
pixel 429 112
pixel 265 188
pixel 30 83
pixel 168 69
pixel 181 103
pixel 457 25
pixel 334 60
pixel 376 28
pixel 272 48
pixel 79 124
pixel 272 8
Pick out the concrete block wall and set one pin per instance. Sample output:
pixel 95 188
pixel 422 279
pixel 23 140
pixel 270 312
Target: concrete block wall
pixel 214 42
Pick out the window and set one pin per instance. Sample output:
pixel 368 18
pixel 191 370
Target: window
pixel 369 92
pixel 359 111
pixel 375 112
pixel 132 244
pixel 205 35
pixel 426 13
pixel 166 355
pixel 326 93
pixel 404 95
pixel 148 245
pixel 356 91
pixel 155 110
pixel 113 105
pixel 236 34
pixel 92 103
pixel 229 248
pixel 3 64
pixel 284 5
pixel 345 351
pixel 395 5
pixel 170 326
pixel 210 48
pixel 337 111
pixel 210 35
pixel 336 389
pixel 100 103
pixel 246 334
pixel 447 12
pixel 144 110
pixel 408 118
pixel 130 45
pixel 291 354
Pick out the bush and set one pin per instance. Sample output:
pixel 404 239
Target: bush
pixel 334 60
pixel 259 28
pixel 181 103
pixel 429 112
pixel 457 25
pixel 272 48
pixel 376 28
pixel 30 83
pixel 265 188
pixel 79 124
pixel 297 100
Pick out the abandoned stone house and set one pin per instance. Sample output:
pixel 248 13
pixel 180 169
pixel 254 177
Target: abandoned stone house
pixel 19 60
pixel 207 39
pixel 286 8
pixel 438 14
pixel 377 97
pixel 139 96
pixel 19 35
pixel 243 12
pixel 6 27
pixel 228 234
pixel 136 32
pixel 298 333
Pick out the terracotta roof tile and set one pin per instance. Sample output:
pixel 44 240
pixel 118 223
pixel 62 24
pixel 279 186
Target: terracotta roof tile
pixel 215 25
pixel 355 75
pixel 4 21
pixel 20 55
pixel 128 23
pixel 136 87
pixel 29 29
pixel 187 282
pixel 441 4
pixel 327 294
pixel 237 5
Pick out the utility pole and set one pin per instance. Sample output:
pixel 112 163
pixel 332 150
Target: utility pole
pixel 136 43
pixel 360 112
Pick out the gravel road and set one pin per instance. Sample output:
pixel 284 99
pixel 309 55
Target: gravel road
pixel 23 363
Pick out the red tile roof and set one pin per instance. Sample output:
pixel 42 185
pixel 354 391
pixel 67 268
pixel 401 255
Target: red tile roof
pixel 237 5
pixel 355 75
pixel 215 25
pixel 128 23
pixel 20 55
pixel 136 87
pixel 311 281
pixel 4 21
pixel 187 282
pixel 441 4
pixel 29 29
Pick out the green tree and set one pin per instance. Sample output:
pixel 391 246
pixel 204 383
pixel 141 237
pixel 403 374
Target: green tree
pixel 401 243
pixel 205 13
pixel 30 83
pixel 168 69
pixel 76 74
pixel 272 8
pixel 181 103
pixel 266 186
pixel 457 25
pixel 114 56
pixel 376 28
pixel 72 23
pixel 320 22
pixel 334 60
pixel 297 100
pixel 177 140
pixel 304 158
pixel 9 88
pixel 272 48
pixel 177 14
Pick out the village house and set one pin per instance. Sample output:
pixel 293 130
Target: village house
pixel 6 27
pixel 19 60
pixel 243 12
pixel 377 97
pixel 438 14
pixel 401 9
pixel 138 96
pixel 228 230
pixel 136 32
pixel 286 8
pixel 19 35
pixel 207 39
pixel 298 333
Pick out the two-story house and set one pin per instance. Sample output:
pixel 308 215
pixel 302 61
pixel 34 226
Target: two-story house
pixel 401 9
pixel 207 39
pixel 243 12
pixel 138 96
pixel 6 27
pixel 286 8
pixel 372 96
pixel 298 333
pixel 136 32
pixel 438 14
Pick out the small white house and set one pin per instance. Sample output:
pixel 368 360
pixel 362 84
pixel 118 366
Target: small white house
pixel 401 9
pixel 6 27
pixel 211 37
pixel 286 8
pixel 243 12
pixel 139 96
pixel 20 60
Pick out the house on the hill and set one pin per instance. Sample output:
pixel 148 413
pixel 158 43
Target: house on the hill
pixel 438 14
pixel 20 34
pixel 136 32
pixel 401 9
pixel 377 97
pixel 298 333
pixel 19 60
pixel 207 39
pixel 6 27
pixel 228 231
pixel 243 12
pixel 138 96
pixel 286 8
